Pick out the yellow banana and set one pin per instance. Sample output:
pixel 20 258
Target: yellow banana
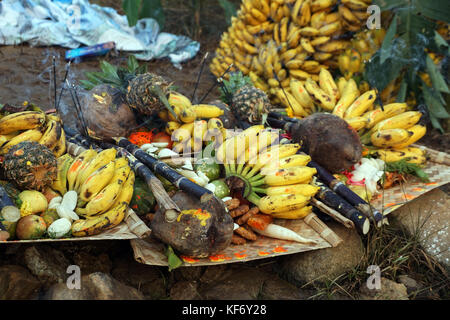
pixel 347 14
pixel 348 96
pixel 97 181
pixel 319 5
pixel 60 184
pixel 288 100
pixel 330 29
pixel 357 123
pixel 29 135
pixel 99 161
pixel 377 115
pixel 404 120
pixel 171 126
pixel 304 189
pixel 319 41
pixel 355 61
pixel 391 155
pixel 286 162
pixel 300 94
pixel 126 194
pixel 282 203
pixel 299 74
pixel 98 224
pixel 293 175
pixel 322 56
pixel 341 84
pixel 306 44
pixel 360 105
pixel 293 214
pixel 326 101
pixel 305 13
pixel 326 82
pixel 296 9
pixel 333 46
pixel 309 32
pixel 52 134
pixel 294 64
pixel 21 121
pixel 79 164
pixel 207 111
pixel 61 146
pixel 390 137
pixel 418 131
pixel 188 115
pixel 356 5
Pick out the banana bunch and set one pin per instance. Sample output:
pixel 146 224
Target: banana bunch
pixel 195 125
pixel 104 185
pixel 276 41
pixel 255 163
pixel 363 45
pixel 32 126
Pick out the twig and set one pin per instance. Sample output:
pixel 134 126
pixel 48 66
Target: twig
pixel 78 109
pixel 54 78
pixel 333 213
pixel 215 84
pixel 199 76
pixel 62 87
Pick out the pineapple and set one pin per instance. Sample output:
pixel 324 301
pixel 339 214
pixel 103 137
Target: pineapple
pixel 30 165
pixel 146 92
pixel 246 101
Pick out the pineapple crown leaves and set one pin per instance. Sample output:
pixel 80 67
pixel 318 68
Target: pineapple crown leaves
pixel 229 87
pixel 117 77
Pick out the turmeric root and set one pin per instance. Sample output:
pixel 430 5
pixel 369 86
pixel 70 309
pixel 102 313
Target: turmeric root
pixel 243 219
pixel 236 239
pixel 232 204
pixel 239 211
pixel 246 233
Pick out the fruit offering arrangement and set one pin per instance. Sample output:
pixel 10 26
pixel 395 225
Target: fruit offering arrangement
pixel 32 125
pixel 255 164
pixel 275 41
pixel 63 197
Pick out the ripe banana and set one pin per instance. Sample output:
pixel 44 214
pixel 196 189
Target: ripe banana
pixel 107 196
pixel 126 194
pixel 207 111
pixel 326 82
pixel 357 123
pixel 377 115
pixel 300 94
pixel 288 100
pixel 360 105
pixel 64 163
pixel 52 134
pixel 21 121
pixel 282 203
pixel 61 146
pixel 390 137
pixel 104 157
pixel 418 131
pixel 408 154
pixel 404 120
pixel 307 190
pixel 78 164
pixel 326 101
pixel 29 135
pixel 286 162
pixel 348 96
pixel 293 175
pixel 293 214
pixel 96 181
pixel 98 224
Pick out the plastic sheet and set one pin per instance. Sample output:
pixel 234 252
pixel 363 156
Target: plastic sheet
pixel 76 23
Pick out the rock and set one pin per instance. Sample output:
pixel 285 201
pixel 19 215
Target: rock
pixel 410 284
pixel 16 283
pixel 215 273
pixel 90 264
pixel 390 290
pixel 189 273
pixel 242 284
pixel 47 264
pixel 324 264
pixel 279 289
pixel 95 286
pixel 185 290
pixel 428 217
pixel 147 279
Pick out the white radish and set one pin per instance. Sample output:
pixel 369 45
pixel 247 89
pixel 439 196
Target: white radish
pixel 64 212
pixel 59 228
pixel 167 153
pixel 55 202
pixel 279 232
pixel 160 144
pixel 69 200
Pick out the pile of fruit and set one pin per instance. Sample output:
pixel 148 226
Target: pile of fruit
pixel 255 164
pixel 276 41
pixel 65 196
pixel 32 126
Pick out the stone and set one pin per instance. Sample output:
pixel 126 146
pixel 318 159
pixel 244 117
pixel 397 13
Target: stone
pixel 90 264
pixel 241 284
pixel 189 273
pixel 215 273
pixel 49 265
pixel 428 217
pixel 324 264
pixel 95 286
pixel 185 290
pixel 410 284
pixel 147 279
pixel 389 290
pixel 17 283
pixel 279 289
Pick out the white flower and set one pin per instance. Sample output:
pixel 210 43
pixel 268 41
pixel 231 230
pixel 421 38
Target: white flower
pixel 370 171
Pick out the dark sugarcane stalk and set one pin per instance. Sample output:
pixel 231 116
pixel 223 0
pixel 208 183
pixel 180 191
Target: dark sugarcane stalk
pixel 346 193
pixel 164 201
pixel 164 170
pixel 279 116
pixel 334 201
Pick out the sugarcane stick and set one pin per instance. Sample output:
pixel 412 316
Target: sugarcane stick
pixel 171 210
pixel 164 170
pixel 332 213
pixel 334 201
pixel 342 190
